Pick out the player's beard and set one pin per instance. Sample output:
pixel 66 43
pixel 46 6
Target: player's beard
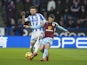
pixel 33 14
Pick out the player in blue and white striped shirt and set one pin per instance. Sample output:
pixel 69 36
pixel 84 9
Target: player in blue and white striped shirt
pixel 35 19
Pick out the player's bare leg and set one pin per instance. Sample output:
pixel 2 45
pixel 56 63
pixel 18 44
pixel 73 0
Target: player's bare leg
pixel 41 48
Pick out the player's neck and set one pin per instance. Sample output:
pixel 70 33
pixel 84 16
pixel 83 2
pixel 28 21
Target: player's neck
pixel 50 22
pixel 33 14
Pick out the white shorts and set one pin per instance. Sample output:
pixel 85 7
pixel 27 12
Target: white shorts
pixel 36 34
pixel 46 40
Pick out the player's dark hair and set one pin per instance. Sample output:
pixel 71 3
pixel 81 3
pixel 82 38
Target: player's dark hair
pixel 52 16
pixel 33 7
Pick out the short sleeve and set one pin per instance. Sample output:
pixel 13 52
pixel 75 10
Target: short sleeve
pixel 42 18
pixel 27 19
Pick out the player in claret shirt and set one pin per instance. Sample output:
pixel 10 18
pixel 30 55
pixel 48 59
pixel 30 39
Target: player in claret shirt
pixel 46 42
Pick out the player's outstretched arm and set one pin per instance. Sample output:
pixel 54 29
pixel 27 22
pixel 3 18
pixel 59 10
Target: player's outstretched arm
pixel 33 27
pixel 36 27
pixel 60 27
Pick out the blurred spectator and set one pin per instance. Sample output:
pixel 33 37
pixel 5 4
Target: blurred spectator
pixel 68 13
pixel 11 10
pixel 19 8
pixel 61 22
pixel 51 5
pixel 18 30
pixel 36 3
pixel 67 4
pixel 8 0
pixel 79 24
pixel 27 5
pixel 2 8
pixel 2 14
pixel 43 6
pixel 10 13
pixel 1 22
pixel 70 23
pixel 82 12
pixel 85 5
pixel 14 29
pixel 59 7
pixel 75 8
pixel 10 27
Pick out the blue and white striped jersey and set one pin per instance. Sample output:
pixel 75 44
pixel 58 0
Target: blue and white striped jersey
pixel 35 20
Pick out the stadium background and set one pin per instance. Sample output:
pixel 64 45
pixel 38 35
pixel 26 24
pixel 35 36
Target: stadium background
pixel 14 39
pixel 71 14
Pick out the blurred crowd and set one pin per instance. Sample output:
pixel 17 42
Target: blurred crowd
pixel 69 13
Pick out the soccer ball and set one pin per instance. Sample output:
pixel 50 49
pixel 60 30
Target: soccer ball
pixel 28 55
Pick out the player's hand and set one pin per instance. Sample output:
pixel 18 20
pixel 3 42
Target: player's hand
pixel 23 13
pixel 68 32
pixel 26 26
pixel 42 23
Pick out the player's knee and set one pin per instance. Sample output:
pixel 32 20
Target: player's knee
pixel 41 48
pixel 47 46
pixel 32 43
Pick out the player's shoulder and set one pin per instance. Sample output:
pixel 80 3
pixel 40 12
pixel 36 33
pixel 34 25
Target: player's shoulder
pixel 46 23
pixel 29 16
pixel 55 23
pixel 39 14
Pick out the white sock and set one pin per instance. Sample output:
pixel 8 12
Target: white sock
pixel 36 46
pixel 45 53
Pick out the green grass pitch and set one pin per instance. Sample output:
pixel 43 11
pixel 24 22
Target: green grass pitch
pixel 16 56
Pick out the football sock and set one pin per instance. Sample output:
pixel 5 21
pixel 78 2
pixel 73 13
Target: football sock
pixel 36 49
pixel 36 46
pixel 45 53
pixel 32 49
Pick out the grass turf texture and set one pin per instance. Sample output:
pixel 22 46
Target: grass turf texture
pixel 16 56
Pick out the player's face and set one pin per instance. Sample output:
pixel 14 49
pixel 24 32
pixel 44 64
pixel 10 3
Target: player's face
pixel 50 19
pixel 33 11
